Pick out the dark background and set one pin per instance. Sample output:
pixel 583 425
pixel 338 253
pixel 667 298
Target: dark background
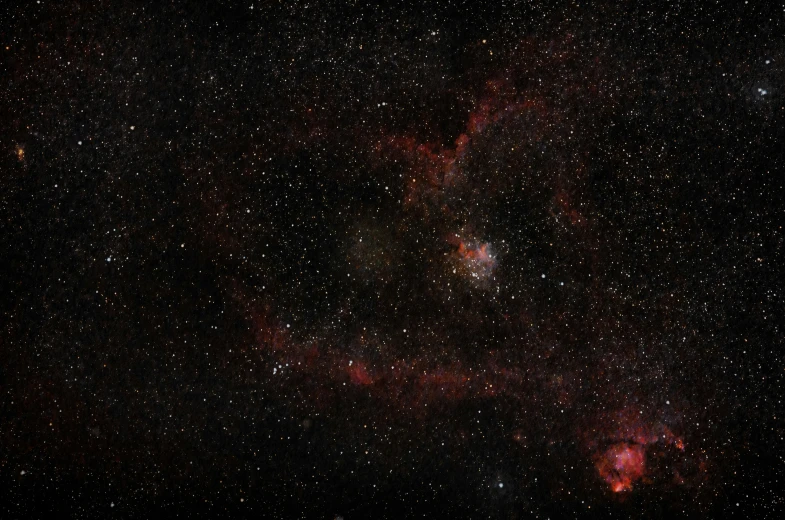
pixel 184 187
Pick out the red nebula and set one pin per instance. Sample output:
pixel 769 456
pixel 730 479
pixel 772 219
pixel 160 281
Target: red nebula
pixel 477 259
pixel 621 465
pixel 474 252
pixel 621 443
pixel 479 254
pixel 359 375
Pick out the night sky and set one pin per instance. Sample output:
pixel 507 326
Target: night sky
pixel 353 260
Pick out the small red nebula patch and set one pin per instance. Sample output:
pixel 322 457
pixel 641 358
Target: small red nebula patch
pixel 621 465
pixel 359 375
pixel 477 259
pixel 479 253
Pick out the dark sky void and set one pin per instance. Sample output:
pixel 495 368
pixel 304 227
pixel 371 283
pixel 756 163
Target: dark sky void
pixel 353 260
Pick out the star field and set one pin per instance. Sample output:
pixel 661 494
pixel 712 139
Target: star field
pixel 356 260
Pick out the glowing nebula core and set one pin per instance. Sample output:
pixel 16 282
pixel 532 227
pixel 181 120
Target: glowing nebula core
pixel 621 465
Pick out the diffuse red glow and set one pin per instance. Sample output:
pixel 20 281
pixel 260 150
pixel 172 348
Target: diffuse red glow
pixel 478 253
pixel 476 259
pixel 434 176
pixel 623 463
pixel 433 168
pixel 358 374
pixel 621 446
